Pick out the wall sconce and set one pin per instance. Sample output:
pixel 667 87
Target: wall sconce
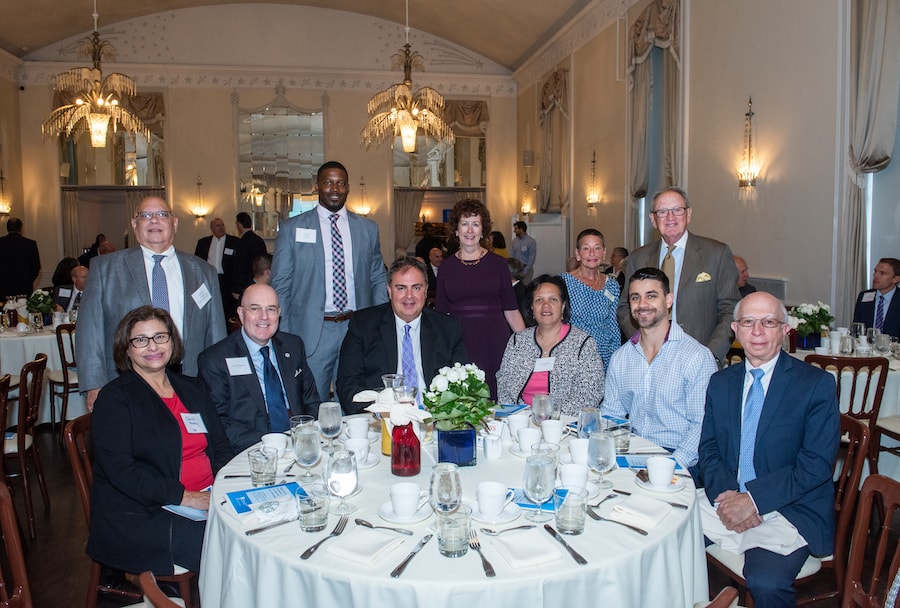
pixel 199 210
pixel 5 205
pixel 363 208
pixel 526 199
pixel 592 197
pixel 749 169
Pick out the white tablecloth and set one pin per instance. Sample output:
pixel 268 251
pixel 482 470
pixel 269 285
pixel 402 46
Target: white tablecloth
pixel 666 568
pixel 17 349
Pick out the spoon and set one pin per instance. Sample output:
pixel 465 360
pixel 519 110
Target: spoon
pixel 289 467
pixel 491 532
pixel 603 501
pixel 362 522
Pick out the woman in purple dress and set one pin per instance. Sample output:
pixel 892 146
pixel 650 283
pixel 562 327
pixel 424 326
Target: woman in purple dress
pixel 475 286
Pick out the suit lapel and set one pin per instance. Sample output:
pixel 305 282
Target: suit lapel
pixel 312 223
pixel 287 367
pixel 778 388
pixel 427 340
pixel 250 381
pixel 191 282
pixel 690 263
pixel 735 398
pixel 134 261
pixel 388 329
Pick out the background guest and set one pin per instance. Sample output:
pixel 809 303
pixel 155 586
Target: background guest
pixel 250 246
pixel 744 288
pixel 68 297
pixel 524 249
pixel 93 251
pixel 21 262
pixel 428 241
pixel 554 357
pixel 594 296
pixel 262 269
pixel 157 441
pixel 475 287
pixel 218 249
pixel 63 274
pixel 497 244
pixel 517 270
pixel 432 266
pixel 880 307
pixel 617 260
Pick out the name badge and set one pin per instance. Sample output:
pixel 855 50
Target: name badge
pixel 869 296
pixel 193 423
pixel 544 364
pixel 238 366
pixel 609 295
pixel 228 251
pixel 305 235
pixel 201 296
pixel 65 293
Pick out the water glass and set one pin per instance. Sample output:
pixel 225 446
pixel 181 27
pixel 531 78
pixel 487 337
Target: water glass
pixel 307 448
pixel 445 490
pixel 895 346
pixel 453 533
pixel 542 408
pixel 540 478
pixel 883 344
pixel 392 380
pixel 872 335
pixel 312 508
pixel 342 480
pixel 858 330
pixel 847 344
pixel 621 432
pixel 569 505
pixel 602 455
pixel 588 421
pixel 330 422
pixel 262 466
pixel 405 394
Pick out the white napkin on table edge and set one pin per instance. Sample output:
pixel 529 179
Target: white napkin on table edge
pixel 364 546
pixel 527 549
pixel 640 511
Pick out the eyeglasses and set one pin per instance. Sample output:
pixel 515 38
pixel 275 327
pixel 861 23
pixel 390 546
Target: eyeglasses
pixel 149 215
pixel 676 211
pixel 768 322
pixel 256 309
pixel 143 341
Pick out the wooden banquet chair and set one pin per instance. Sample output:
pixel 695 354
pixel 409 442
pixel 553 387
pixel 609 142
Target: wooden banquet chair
pixel 846 492
pixel 154 596
pixel 77 445
pixel 20 446
pixel 64 380
pixel 883 493
pixel 14 591
pixel 726 598
pixel 866 389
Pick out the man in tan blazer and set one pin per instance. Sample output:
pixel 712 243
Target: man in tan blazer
pixel 703 273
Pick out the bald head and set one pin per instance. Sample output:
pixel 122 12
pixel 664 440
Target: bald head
pixel 259 312
pixel 743 270
pixel 79 276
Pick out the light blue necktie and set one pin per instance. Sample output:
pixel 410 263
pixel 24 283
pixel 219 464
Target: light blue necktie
pixel 752 409
pixel 410 377
pixel 278 414
pixel 879 313
pixel 160 296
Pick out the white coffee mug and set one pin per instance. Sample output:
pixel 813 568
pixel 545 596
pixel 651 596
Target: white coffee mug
pixel 360 448
pixel 578 449
pixel 278 441
pixel 515 423
pixel 573 474
pixel 493 497
pixel 553 430
pixel 407 499
pixel 492 446
pixel 358 427
pixel 527 438
pixel 660 469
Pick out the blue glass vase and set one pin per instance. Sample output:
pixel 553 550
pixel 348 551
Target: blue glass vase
pixel 809 342
pixel 457 447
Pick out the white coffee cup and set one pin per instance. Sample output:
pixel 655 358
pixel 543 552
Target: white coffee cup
pixel 358 427
pixel 492 446
pixel 527 438
pixel 844 331
pixel 407 499
pixel 660 469
pixel 834 342
pixel 493 497
pixel 277 441
pixel 578 449
pixel 515 423
pixel 553 430
pixel 360 448
pixel 573 474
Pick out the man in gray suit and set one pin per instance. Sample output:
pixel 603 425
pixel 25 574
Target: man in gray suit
pixel 152 273
pixel 701 270
pixel 327 264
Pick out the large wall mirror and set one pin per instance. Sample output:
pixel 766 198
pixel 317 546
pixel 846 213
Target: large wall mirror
pixel 280 148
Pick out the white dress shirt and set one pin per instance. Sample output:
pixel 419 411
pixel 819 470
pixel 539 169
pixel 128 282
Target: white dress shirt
pixel 216 249
pixel 174 283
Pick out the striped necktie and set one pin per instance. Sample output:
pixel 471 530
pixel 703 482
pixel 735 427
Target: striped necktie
pixel 337 254
pixel 879 312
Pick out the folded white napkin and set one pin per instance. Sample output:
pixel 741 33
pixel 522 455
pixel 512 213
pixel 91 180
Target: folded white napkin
pixel 640 511
pixel 365 546
pixel 776 533
pixel 400 413
pixel 527 549
pixel 286 511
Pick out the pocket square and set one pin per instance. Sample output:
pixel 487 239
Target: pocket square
pixel 703 277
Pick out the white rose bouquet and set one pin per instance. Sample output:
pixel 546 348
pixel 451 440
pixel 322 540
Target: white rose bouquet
pixel 810 318
pixel 458 397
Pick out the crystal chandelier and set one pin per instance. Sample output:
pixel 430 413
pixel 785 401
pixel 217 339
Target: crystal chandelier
pixel 90 101
pixel 398 111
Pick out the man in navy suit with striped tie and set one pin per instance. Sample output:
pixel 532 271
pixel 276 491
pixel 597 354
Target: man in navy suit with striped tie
pixel 880 307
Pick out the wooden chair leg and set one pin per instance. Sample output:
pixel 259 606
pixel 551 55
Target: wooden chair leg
pixel 63 412
pixel 39 470
pixel 29 502
pixel 93 585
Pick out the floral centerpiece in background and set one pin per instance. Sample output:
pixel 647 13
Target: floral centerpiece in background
pixel 809 320
pixel 459 401
pixel 40 301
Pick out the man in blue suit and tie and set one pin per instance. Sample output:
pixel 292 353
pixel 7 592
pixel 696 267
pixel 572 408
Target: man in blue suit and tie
pixel 327 264
pixel 770 434
pixel 880 307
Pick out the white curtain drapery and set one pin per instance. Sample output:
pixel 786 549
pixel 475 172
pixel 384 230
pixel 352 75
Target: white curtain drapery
pixel 407 202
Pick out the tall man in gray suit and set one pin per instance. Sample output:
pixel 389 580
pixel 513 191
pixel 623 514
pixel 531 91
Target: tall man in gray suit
pixel 151 273
pixel 327 264
pixel 701 271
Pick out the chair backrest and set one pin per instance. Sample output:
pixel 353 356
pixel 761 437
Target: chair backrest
pixel 31 383
pixel 65 342
pixel 153 594
pixel 14 593
pixel 4 409
pixel 866 382
pixel 77 432
pixel 846 490
pixel 883 492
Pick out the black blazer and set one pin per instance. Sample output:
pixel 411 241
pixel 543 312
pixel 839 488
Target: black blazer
pixel 864 312
pixel 137 463
pixel 21 265
pixel 250 245
pixel 240 400
pixel 370 349
pixel 228 252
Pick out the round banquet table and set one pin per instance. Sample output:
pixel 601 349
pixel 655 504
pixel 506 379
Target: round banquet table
pixel 665 568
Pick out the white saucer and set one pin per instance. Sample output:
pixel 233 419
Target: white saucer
pixel 676 486
pixel 510 513
pixel 373 436
pixel 514 450
pixel 593 490
pixel 386 512
pixel 371 460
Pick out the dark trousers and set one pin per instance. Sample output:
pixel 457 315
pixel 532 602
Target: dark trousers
pixel 770 576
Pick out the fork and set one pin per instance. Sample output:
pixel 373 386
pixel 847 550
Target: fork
pixel 599 517
pixel 475 544
pixel 342 523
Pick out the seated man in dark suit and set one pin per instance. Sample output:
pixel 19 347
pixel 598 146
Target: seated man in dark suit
pixel 880 307
pixel 68 297
pixel 770 435
pixel 376 341
pixel 250 372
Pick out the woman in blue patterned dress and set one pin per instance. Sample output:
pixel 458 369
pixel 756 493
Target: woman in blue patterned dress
pixel 593 296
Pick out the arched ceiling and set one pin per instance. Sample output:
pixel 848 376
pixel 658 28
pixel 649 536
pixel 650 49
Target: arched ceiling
pixel 505 31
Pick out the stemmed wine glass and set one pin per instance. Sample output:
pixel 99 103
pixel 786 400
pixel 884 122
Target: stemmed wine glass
pixel 307 447
pixel 542 408
pixel 445 491
pixel 540 478
pixel 602 455
pixel 872 334
pixel 341 479
pixel 330 422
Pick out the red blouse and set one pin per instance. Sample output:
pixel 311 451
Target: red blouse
pixel 196 470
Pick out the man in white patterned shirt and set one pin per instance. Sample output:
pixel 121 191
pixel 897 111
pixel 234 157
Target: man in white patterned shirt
pixel 658 378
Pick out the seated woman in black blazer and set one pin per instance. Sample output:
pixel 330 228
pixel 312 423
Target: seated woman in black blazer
pixel 157 441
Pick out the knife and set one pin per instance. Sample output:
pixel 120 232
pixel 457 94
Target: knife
pixel 575 554
pixel 402 565
pixel 677 505
pixel 269 526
